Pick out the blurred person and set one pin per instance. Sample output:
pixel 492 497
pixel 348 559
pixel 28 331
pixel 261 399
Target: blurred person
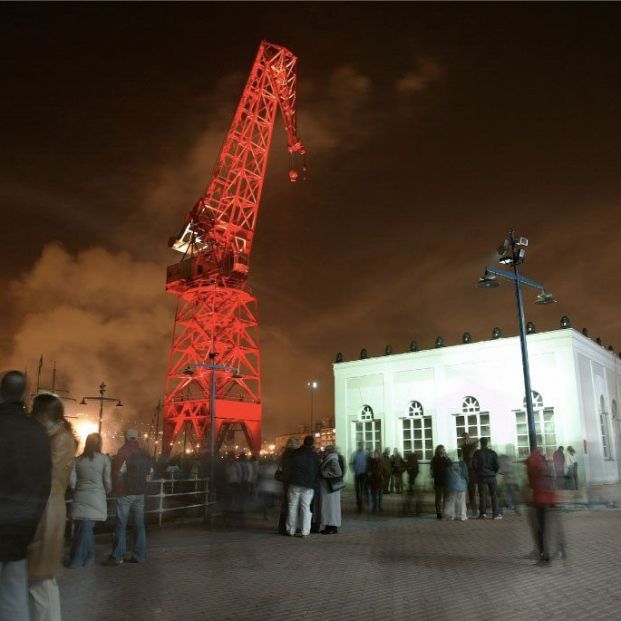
pixel 468 447
pixel 387 470
pixel 485 464
pixel 330 500
pixel 397 466
pixel 131 467
pixel 375 478
pixel 509 492
pixel 292 445
pixel 545 521
pixel 571 469
pixel 46 550
pixel 301 474
pixel 268 487
pixel 360 466
pixel 457 485
pixel 25 485
pixel 558 457
pixel 412 468
pixel 92 482
pixel 439 466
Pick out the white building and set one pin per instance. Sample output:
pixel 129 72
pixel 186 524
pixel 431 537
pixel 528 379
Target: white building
pixel 417 400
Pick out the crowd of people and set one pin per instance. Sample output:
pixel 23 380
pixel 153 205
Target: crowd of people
pixel 38 464
pixel 38 449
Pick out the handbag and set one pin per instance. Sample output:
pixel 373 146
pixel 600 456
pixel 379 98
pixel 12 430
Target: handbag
pixel 336 484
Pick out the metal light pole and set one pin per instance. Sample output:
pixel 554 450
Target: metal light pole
pixel 512 252
pixel 312 385
pixel 101 399
pixel 212 367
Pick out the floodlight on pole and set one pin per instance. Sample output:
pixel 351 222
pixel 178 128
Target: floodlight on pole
pixel 512 252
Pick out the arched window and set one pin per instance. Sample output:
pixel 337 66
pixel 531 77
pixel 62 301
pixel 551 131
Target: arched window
pixel 471 421
pixel 366 413
pixel 417 433
pixel 604 424
pixel 544 427
pixel 367 430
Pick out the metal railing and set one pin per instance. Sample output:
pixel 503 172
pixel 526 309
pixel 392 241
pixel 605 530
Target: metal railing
pixel 155 503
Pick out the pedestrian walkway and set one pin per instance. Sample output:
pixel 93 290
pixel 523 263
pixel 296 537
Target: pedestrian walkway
pixel 375 568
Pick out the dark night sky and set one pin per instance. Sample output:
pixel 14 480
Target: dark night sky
pixel 431 130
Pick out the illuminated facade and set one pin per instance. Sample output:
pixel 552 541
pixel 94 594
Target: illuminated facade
pixel 417 400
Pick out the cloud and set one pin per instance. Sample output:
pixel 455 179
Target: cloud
pixel 101 316
pixel 426 71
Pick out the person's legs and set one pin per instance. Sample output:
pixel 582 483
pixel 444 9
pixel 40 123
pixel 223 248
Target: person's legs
pixel 482 498
pixel 140 544
pixel 79 550
pixel 14 591
pixel 306 497
pixel 120 534
pixel 450 506
pixel 460 508
pixel 439 494
pixel 293 497
pixel 472 492
pixel 44 600
pixel 491 485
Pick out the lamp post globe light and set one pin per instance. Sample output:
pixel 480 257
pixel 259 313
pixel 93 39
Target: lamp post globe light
pixel 101 398
pixel 312 387
pixel 512 252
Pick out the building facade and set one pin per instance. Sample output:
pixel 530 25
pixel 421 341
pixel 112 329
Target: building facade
pixel 414 401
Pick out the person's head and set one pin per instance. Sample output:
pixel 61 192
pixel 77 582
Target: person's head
pixel 309 441
pixel 465 436
pixel 386 451
pixel 330 449
pixel 92 446
pixel 13 387
pixel 360 446
pixel 484 442
pixel 395 451
pixel 459 453
pixel 131 435
pixel 440 450
pixel 48 409
pixel 571 450
pixel 293 443
pixel 560 448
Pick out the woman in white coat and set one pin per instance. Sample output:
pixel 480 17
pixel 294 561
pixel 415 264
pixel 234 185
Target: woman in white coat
pixel 330 501
pixel 93 482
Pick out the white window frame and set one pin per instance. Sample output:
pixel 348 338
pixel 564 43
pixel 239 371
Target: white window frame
pixel 545 428
pixel 475 423
pixel 604 429
pixel 367 429
pixel 417 423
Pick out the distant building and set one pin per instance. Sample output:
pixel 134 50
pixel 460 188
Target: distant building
pixel 417 400
pixel 323 431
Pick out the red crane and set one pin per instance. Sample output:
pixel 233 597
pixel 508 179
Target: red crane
pixel 215 338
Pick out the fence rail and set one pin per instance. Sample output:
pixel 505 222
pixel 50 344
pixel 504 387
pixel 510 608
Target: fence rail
pixel 200 489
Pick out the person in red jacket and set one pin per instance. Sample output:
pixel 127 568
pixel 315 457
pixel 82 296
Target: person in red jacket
pixel 545 523
pixel 131 468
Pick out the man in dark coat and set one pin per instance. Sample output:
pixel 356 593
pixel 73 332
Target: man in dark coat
pixel 25 483
pixel 485 464
pixel 302 475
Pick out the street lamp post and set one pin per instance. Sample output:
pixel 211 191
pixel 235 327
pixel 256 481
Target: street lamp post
pixel 212 367
pixel 101 399
pixel 512 252
pixel 312 386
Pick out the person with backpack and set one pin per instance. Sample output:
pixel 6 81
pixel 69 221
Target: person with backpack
pixel 130 468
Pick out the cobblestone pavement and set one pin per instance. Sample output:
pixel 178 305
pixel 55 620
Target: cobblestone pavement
pixel 375 568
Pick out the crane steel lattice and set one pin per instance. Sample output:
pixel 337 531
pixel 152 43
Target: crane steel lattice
pixel 216 316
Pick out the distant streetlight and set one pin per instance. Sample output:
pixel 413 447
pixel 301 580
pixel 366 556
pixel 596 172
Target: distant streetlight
pixel 101 399
pixel 312 387
pixel 512 252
